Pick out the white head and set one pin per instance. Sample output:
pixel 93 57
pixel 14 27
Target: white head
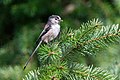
pixel 54 19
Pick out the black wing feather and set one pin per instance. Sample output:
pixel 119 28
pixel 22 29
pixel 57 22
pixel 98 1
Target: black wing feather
pixel 43 33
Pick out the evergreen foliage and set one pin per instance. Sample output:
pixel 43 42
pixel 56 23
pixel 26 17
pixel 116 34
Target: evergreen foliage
pixel 11 73
pixel 60 60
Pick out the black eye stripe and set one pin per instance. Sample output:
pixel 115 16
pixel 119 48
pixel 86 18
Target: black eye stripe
pixel 57 17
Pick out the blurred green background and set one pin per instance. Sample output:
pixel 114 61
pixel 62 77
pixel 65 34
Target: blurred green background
pixel 21 22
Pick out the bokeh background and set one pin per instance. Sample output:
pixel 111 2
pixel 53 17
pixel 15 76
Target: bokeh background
pixel 21 22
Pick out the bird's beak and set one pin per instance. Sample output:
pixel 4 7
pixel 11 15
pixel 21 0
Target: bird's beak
pixel 61 20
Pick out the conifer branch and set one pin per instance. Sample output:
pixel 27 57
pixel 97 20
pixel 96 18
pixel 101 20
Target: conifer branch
pixel 59 60
pixel 75 71
pixel 102 37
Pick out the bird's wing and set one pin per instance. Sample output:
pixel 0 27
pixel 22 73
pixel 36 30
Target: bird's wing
pixel 38 42
pixel 46 29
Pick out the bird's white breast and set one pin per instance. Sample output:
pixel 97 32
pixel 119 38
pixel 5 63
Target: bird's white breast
pixel 56 29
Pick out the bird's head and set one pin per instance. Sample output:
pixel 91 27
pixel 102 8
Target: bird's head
pixel 55 19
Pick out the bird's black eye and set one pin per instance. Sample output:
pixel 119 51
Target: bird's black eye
pixel 56 19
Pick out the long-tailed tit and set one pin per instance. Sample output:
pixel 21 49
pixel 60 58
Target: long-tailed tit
pixel 50 32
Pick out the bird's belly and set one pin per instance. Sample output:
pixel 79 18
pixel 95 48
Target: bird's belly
pixel 55 32
pixel 51 34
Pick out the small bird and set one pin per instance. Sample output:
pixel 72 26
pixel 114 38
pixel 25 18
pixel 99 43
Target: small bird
pixel 50 32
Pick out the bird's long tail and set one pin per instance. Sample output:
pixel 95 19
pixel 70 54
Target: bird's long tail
pixel 32 55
